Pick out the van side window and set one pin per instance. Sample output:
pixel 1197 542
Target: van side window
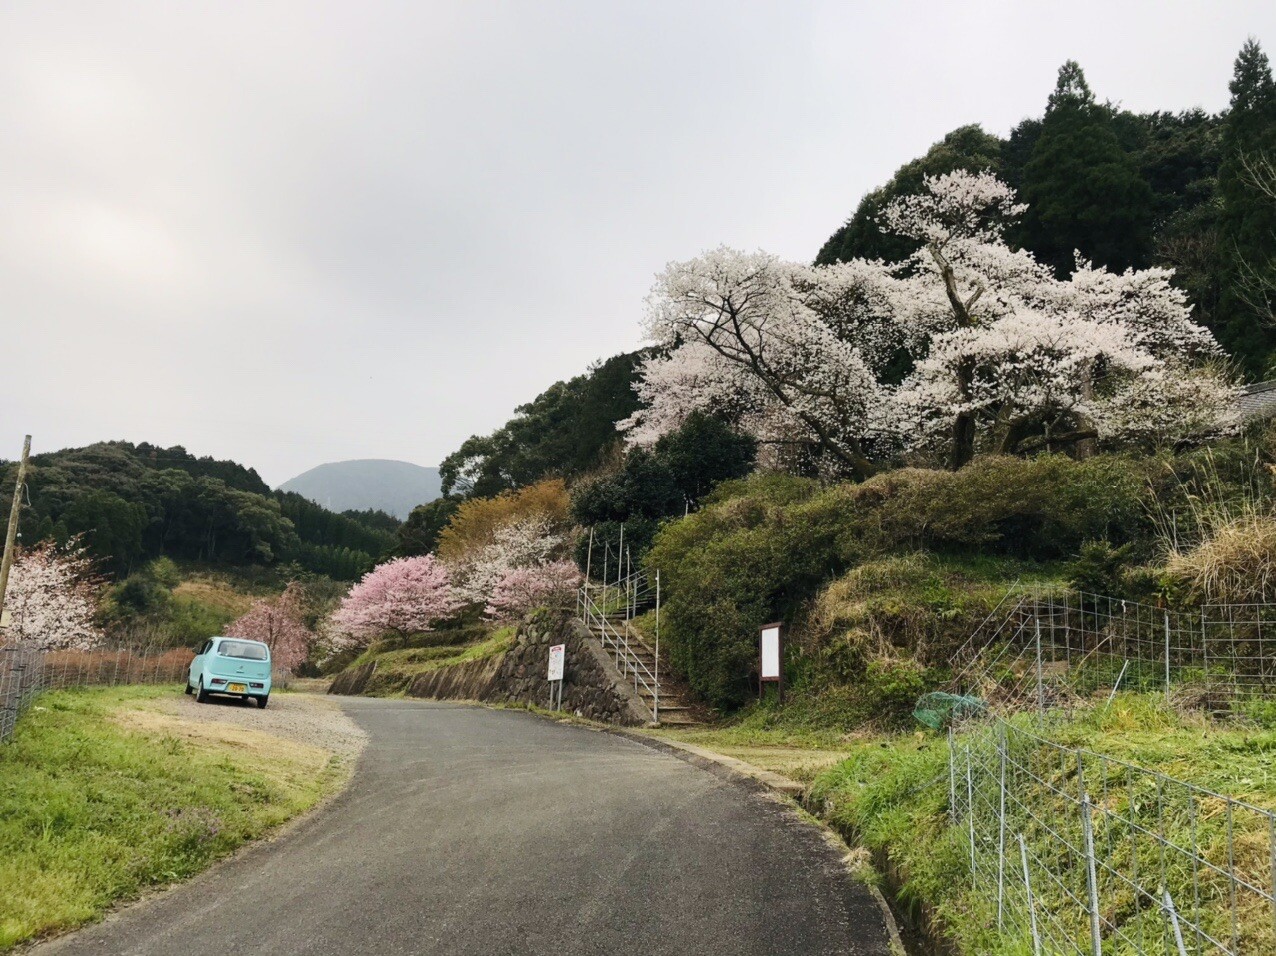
pixel 207 645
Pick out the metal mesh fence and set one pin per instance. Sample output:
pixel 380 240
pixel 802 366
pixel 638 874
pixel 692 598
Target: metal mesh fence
pixel 25 672
pixel 1048 649
pixel 1075 852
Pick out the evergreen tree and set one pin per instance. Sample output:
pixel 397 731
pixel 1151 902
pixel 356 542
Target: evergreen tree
pixel 1247 219
pixel 1083 189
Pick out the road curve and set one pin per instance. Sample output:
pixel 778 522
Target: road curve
pixel 472 831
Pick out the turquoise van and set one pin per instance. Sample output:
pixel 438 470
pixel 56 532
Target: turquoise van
pixel 232 667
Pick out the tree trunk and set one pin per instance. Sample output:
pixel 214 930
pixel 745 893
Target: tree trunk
pixel 963 443
pixel 1087 447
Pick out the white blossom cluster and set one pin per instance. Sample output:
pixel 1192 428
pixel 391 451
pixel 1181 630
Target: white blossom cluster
pixel 52 599
pixel 864 356
pixel 526 543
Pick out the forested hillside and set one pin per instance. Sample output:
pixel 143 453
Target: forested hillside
pixel 132 503
pixel 1123 189
pixel 565 431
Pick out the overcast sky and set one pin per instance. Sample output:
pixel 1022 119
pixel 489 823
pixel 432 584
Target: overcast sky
pixel 297 232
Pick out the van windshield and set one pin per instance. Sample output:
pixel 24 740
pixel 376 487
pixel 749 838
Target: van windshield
pixel 251 652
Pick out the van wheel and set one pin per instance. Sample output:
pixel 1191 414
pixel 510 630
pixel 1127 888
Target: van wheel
pixel 261 702
pixel 201 695
pixel 187 689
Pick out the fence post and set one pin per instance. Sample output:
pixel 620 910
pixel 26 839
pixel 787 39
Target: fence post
pixel 1174 921
pixel 1001 828
pixel 1205 649
pixel 1092 881
pixel 1271 841
pixel 1041 691
pixel 655 710
pixel 1027 885
pixel 970 817
pixel 1167 658
pixel 952 784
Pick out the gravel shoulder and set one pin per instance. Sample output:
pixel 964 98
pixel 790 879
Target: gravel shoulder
pixel 300 718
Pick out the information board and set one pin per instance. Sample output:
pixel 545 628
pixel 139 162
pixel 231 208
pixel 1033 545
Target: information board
pixel 557 654
pixel 771 652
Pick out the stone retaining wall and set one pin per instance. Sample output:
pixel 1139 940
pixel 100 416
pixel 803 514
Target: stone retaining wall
pixel 592 686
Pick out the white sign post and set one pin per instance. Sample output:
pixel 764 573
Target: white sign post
pixel 557 657
pixel 771 651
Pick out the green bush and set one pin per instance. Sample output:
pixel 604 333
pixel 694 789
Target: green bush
pixel 760 549
pixel 1101 569
pixel 1042 507
pixel 737 564
pixel 191 621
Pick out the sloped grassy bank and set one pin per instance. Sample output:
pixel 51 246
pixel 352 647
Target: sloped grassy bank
pixel 890 795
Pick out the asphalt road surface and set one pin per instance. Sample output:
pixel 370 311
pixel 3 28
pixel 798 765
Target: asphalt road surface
pixel 472 831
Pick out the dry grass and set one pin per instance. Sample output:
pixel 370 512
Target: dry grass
pixel 1234 563
pixel 260 750
pixel 120 666
pixel 214 593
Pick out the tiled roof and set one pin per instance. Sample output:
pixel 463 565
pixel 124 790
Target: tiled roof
pixel 1257 401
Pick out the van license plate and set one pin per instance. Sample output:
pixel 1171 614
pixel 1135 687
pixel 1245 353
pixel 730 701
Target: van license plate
pixel 237 688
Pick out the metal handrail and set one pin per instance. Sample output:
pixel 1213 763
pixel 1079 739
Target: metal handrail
pixel 629 590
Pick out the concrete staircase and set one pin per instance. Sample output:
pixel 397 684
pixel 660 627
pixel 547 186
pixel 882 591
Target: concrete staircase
pixel 674 706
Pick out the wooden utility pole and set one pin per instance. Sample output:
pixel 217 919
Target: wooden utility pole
pixel 15 510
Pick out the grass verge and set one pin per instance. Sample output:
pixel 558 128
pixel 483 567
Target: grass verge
pixel 891 796
pixel 101 799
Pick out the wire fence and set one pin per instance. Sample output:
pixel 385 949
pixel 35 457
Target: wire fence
pixel 25 672
pixel 1044 650
pixel 1073 851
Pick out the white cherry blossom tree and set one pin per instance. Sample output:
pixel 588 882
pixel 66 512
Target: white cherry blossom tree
pixel 52 599
pixel 968 345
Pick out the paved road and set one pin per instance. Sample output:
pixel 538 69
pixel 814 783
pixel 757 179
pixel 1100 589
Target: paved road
pixel 471 831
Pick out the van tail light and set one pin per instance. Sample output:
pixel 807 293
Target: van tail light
pixel 219 680
pixel 256 684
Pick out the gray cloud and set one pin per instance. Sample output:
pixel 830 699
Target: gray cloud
pixel 295 232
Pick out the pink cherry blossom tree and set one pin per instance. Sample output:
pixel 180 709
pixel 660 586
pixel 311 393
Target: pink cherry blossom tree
pixel 403 596
pixel 53 598
pixel 279 623
pixel 523 589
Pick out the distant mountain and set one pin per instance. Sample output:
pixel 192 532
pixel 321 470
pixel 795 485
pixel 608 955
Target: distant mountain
pixel 395 487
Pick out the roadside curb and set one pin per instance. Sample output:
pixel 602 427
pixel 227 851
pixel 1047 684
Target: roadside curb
pixel 768 778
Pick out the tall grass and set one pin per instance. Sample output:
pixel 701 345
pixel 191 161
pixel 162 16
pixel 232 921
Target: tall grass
pixel 1218 536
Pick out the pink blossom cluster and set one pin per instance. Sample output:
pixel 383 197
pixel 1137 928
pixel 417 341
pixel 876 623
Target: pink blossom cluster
pixel 524 543
pixel 279 623
pixel 523 589
pixel 52 599
pixel 403 596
